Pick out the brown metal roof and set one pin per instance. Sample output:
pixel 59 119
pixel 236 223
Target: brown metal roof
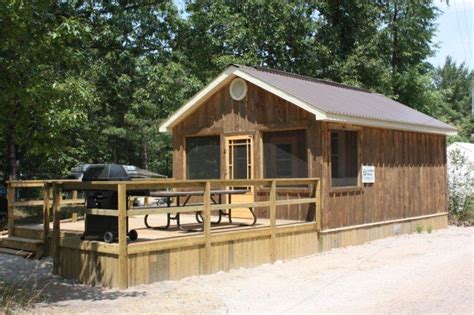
pixel 341 99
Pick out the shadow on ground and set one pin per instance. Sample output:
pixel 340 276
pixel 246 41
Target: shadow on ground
pixel 36 276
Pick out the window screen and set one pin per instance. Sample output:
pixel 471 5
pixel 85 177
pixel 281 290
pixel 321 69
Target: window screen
pixel 344 165
pixel 203 157
pixel 285 154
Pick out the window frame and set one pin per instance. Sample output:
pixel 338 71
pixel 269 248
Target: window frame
pixel 358 131
pixel 304 131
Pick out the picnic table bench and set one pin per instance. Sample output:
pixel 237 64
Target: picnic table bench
pixel 216 198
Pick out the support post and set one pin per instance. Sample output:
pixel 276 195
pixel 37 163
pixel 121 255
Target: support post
pixel 122 235
pixel 46 205
pixel 11 209
pixel 207 227
pixel 318 205
pixel 74 214
pixel 273 220
pixel 56 226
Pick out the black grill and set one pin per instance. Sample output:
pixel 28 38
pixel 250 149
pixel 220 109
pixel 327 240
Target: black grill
pixel 106 227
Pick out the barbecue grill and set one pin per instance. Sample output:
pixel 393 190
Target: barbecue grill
pixel 106 227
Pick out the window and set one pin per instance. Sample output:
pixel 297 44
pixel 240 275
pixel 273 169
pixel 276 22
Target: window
pixel 344 165
pixel 285 154
pixel 203 157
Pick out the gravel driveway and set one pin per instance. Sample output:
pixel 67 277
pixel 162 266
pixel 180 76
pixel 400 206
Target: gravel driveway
pixel 410 273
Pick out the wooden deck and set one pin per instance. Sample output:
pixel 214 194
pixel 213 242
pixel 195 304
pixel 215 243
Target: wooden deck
pixel 190 227
pixel 165 254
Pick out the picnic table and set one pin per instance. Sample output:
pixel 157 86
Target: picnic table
pixel 183 197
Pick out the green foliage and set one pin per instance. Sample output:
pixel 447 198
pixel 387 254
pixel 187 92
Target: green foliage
pixel 454 83
pixel 90 81
pixel 429 229
pixel 419 228
pixel 460 185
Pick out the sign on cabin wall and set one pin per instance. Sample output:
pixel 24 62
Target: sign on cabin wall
pixel 368 174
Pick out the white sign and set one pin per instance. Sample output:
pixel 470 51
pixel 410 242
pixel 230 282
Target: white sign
pixel 368 174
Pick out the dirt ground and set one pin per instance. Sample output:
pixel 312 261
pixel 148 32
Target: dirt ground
pixel 417 273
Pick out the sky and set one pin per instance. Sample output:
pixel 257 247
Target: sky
pixel 455 36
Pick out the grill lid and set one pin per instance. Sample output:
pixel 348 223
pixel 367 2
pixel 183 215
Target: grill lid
pixel 116 172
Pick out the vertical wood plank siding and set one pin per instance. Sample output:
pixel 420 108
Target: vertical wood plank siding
pixel 410 167
pixel 410 180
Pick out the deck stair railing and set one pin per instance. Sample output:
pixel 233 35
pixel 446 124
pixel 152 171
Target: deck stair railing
pixel 42 203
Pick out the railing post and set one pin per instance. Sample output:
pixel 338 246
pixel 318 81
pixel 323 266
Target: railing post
pixel 74 214
pixel 318 205
pixel 207 227
pixel 46 205
pixel 11 209
pixel 273 220
pixel 56 226
pixel 122 236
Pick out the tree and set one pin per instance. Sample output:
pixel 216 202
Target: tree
pixel 38 99
pixel 407 35
pixel 455 83
pixel 349 33
pixel 276 34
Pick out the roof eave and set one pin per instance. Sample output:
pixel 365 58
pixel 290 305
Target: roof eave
pixel 387 124
pixel 233 71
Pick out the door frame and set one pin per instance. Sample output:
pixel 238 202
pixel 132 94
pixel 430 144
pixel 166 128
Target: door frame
pixel 227 148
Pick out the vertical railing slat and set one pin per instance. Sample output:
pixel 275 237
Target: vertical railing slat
pixel 46 206
pixel 56 226
pixel 273 253
pixel 11 209
pixel 207 228
pixel 318 204
pixel 122 235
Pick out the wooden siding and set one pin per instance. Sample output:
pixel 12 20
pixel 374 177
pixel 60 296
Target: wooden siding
pixel 410 179
pixel 410 167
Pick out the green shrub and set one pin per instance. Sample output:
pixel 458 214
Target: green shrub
pixel 419 228
pixel 429 229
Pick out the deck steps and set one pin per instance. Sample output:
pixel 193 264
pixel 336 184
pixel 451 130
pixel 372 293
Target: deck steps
pixel 21 244
pixel 28 232
pixel 16 252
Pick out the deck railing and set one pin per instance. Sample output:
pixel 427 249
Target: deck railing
pixel 43 204
pixel 126 209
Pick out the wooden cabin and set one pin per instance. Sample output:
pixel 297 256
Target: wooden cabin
pixel 323 165
pixel 380 162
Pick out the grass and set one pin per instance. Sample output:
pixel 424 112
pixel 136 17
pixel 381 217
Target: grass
pixel 20 293
pixel 419 228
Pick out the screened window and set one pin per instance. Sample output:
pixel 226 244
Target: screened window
pixel 285 154
pixel 203 157
pixel 344 165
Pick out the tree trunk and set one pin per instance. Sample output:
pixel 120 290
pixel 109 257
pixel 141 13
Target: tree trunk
pixel 145 155
pixel 11 153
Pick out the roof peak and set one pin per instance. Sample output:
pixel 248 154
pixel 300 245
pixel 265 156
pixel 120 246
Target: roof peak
pixel 303 77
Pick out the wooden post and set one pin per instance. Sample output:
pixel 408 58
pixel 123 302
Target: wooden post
pixel 46 205
pixel 207 228
pixel 273 220
pixel 122 235
pixel 74 214
pixel 56 226
pixel 11 209
pixel 318 204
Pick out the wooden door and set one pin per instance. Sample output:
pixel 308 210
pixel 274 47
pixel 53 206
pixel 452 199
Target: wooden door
pixel 239 165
